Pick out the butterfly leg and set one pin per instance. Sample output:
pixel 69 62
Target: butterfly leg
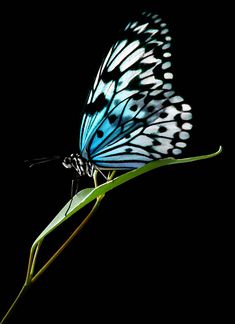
pixel 103 175
pixel 111 174
pixel 95 178
pixel 74 190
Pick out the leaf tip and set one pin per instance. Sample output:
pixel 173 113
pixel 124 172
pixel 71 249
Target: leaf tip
pixel 220 150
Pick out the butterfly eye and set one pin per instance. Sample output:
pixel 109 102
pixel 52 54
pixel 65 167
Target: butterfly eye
pixel 67 163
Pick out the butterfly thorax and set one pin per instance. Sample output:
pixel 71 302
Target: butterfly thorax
pixel 79 164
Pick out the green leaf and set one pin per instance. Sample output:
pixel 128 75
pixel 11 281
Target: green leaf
pixel 87 195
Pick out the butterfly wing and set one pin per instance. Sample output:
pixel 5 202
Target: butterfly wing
pixel 133 115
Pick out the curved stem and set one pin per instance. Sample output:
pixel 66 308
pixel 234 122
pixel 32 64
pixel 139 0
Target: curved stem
pixel 20 294
pixel 71 237
pixel 34 259
pixel 30 279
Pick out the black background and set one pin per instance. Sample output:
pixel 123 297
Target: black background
pixel 158 246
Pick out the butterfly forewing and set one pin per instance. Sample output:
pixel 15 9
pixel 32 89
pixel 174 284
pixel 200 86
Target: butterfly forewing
pixel 133 115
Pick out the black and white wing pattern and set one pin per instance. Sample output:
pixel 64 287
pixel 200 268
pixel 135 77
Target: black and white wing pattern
pixel 133 115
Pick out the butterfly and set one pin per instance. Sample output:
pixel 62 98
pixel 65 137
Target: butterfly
pixel 132 115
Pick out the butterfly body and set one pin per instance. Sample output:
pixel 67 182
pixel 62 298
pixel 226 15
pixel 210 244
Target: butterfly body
pixel 79 164
pixel 133 115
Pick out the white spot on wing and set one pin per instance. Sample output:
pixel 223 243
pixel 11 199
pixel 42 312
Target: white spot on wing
pixel 180 144
pixel 172 112
pixel 130 60
pixel 148 80
pixel 187 126
pixel 109 90
pixel 158 83
pixel 165 145
pixel 164 31
pixel 186 116
pixel 150 59
pixel 126 78
pixel 169 93
pixel 89 98
pixel 97 78
pixel 106 88
pixel 166 65
pixel 167 86
pixel 167 54
pixel 186 107
pixel 155 92
pixel 176 151
pixel 127 26
pixel 118 49
pixel 134 24
pixel 143 140
pixel 151 31
pixel 124 53
pixel 171 129
pixel 141 28
pixel 184 135
pixel 153 41
pixel 146 73
pixel 176 99
pixel 99 89
pixel 157 20
pixel 156 156
pixel 168 75
pixel 166 46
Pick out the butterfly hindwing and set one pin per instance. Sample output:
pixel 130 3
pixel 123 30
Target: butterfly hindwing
pixel 133 115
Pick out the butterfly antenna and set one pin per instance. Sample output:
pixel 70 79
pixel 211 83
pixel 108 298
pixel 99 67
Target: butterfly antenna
pixel 36 161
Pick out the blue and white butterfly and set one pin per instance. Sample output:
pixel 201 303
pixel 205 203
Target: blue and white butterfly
pixel 132 115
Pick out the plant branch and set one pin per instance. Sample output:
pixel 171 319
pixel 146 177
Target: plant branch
pixel 30 279
pixel 71 237
pixel 20 294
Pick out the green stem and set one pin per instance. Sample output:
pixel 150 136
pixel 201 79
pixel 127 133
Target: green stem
pixel 20 294
pixel 71 237
pixel 31 263
pixel 34 259
pixel 31 256
pixel 30 279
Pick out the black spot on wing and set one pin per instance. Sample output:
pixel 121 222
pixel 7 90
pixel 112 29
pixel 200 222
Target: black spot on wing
pixel 147 99
pixel 112 118
pixel 114 74
pixel 150 109
pixel 100 133
pixel 128 150
pixel 156 142
pixel 97 105
pixel 138 96
pixel 134 108
pixel 163 115
pixel 162 129
pixel 149 47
